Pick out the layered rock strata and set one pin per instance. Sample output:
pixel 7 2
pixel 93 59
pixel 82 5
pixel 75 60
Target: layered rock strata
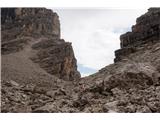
pixel 29 21
pixel 146 29
pixel 41 27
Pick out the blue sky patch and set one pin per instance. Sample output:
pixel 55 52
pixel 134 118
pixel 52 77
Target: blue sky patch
pixel 85 70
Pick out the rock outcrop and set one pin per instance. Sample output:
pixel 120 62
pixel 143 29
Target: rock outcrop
pixel 57 58
pixel 22 27
pixel 132 83
pixel 29 21
pixel 147 29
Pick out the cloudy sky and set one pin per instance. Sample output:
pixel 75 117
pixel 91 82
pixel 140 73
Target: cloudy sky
pixel 94 34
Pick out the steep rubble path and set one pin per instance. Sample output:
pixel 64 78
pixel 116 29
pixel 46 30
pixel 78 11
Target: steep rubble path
pixel 29 88
pixel 20 68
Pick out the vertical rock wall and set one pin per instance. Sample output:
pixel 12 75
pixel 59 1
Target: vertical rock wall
pixel 53 54
pixel 30 21
pixel 146 29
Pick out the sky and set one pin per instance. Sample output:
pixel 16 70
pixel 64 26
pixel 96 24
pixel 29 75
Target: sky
pixel 94 34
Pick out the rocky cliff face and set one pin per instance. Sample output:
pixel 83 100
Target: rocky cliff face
pixel 30 21
pixel 147 29
pixel 40 29
pixel 132 83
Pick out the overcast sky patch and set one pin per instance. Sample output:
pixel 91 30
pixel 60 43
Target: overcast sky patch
pixel 94 34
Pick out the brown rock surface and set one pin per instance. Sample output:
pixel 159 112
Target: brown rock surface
pixel 29 21
pixel 131 84
pixel 146 29
pixel 38 31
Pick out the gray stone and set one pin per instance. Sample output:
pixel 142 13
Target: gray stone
pixel 111 107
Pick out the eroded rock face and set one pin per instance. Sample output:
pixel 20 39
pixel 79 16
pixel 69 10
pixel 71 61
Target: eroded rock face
pixel 41 27
pixel 29 21
pixel 146 29
pixel 130 84
pixel 50 54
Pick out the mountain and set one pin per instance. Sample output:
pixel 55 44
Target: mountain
pixel 132 83
pixel 33 56
pixel 35 33
pixel 39 71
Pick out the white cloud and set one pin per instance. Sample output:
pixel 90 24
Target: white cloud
pixel 95 33
pixel 85 74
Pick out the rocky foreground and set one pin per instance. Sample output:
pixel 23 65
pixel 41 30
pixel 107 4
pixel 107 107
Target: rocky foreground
pixel 32 80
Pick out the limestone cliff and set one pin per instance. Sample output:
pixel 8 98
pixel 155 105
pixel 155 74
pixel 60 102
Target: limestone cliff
pixel 30 21
pixel 40 29
pixel 146 29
